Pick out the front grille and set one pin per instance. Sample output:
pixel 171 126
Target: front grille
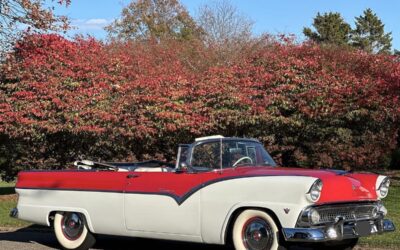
pixel 350 212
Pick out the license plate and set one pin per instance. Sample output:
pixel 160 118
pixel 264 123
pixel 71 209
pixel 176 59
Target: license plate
pixel 363 228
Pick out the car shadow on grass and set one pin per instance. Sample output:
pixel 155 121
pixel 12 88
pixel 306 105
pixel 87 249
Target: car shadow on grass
pixel 38 237
pixel 31 237
pixel 113 242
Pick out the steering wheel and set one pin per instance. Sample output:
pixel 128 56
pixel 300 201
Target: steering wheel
pixel 241 159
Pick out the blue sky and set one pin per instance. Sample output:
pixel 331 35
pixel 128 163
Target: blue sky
pixel 280 16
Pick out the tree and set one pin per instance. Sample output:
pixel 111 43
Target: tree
pixel 223 23
pixel 153 19
pixel 310 105
pixel 370 35
pixel 330 28
pixel 227 31
pixel 28 15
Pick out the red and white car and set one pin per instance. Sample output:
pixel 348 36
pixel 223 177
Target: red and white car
pixel 221 190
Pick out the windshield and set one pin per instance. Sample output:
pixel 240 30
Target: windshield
pixel 234 153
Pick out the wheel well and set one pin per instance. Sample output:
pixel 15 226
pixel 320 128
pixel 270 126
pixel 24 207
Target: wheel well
pixel 235 214
pixel 51 216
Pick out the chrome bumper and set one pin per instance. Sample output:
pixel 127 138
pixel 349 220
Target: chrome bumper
pixel 14 213
pixel 341 231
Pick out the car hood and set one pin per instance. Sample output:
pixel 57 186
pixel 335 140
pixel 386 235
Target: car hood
pixel 338 185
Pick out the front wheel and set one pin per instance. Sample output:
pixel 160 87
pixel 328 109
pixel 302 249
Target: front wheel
pixel 255 230
pixel 71 231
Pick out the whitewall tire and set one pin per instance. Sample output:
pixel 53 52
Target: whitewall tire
pixel 255 230
pixel 71 231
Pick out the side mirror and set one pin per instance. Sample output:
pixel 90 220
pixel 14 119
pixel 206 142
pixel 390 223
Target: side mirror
pixel 183 167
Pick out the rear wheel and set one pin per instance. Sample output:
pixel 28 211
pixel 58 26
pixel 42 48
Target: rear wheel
pixel 71 231
pixel 255 230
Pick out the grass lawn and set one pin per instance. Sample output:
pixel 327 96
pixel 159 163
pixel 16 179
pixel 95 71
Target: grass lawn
pixel 392 203
pixel 8 200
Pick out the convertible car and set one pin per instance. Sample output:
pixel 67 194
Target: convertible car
pixel 220 191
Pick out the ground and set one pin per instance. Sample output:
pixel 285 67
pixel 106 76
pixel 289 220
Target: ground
pixel 16 234
pixel 34 239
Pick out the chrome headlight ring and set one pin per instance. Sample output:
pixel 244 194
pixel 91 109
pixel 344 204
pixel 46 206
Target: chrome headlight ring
pixel 383 186
pixel 315 191
pixel 308 217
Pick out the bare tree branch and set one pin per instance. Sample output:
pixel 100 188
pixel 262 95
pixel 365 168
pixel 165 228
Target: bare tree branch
pixel 223 23
pixel 17 16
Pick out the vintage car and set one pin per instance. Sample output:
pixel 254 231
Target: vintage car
pixel 220 191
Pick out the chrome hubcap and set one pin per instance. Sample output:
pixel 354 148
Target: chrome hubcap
pixel 257 234
pixel 72 226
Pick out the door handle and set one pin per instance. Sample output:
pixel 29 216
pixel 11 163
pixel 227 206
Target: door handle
pixel 130 176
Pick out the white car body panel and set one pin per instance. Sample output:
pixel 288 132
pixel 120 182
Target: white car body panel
pixel 202 217
pixel 162 214
pixel 221 199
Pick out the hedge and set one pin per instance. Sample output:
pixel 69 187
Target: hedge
pixel 311 106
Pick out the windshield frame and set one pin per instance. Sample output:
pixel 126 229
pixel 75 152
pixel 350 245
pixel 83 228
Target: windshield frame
pixel 222 140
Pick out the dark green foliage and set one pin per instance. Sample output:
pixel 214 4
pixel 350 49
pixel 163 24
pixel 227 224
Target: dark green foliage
pixel 369 34
pixel 330 28
pixel 10 157
pixel 395 164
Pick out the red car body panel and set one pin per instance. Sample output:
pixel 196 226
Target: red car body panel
pixel 337 187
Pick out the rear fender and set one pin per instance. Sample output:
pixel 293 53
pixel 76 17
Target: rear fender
pixel 72 209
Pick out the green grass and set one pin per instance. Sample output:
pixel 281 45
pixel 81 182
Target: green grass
pixel 390 240
pixel 6 204
pixel 5 219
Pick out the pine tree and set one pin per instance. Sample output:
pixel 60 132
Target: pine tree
pixel 330 28
pixel 369 34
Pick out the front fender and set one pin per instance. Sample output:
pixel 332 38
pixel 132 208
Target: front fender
pixel 285 214
pixel 275 193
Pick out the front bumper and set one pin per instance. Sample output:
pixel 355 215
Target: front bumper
pixel 337 231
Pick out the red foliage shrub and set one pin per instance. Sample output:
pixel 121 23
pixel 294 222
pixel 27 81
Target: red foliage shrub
pixel 311 106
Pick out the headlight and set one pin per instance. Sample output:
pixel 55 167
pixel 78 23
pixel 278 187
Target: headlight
pixel 314 216
pixel 383 188
pixel 315 191
pixel 308 217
